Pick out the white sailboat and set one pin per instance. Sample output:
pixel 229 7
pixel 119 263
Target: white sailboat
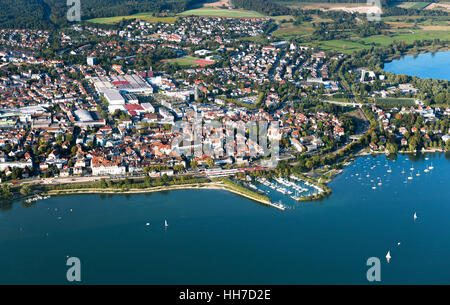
pixel 415 216
pixel 389 170
pixel 165 223
pixel 431 167
pixel 410 177
pixel 388 256
pixel 418 173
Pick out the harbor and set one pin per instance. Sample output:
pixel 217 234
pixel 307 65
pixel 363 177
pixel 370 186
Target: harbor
pixel 286 192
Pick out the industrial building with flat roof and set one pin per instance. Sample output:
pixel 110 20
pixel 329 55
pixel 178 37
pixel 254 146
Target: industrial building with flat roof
pixel 119 89
pixel 124 83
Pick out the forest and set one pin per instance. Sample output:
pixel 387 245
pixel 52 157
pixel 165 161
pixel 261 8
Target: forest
pixel 47 14
pixel 267 7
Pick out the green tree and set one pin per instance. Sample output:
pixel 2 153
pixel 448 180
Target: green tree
pixel 25 190
pixel 194 164
pixel 210 162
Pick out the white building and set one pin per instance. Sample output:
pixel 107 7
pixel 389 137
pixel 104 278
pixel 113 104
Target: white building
pixel 5 165
pixel 108 170
pixel 91 61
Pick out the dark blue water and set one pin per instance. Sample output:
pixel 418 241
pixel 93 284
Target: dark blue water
pixel 426 65
pixel 215 237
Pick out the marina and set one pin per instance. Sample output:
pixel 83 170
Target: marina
pixel 288 190
pixel 36 198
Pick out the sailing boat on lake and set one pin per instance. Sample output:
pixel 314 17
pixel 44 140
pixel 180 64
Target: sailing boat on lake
pixel 388 256
pixel 165 223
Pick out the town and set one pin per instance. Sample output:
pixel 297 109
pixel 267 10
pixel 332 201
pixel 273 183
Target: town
pixel 109 104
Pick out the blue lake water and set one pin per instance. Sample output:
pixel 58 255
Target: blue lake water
pixel 426 65
pixel 215 237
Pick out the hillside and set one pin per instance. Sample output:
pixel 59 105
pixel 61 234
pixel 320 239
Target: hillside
pixel 52 13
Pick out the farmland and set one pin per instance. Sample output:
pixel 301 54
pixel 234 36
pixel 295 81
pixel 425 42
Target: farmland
pixel 413 5
pixel 356 44
pixel 218 12
pixel 142 16
pixel 401 28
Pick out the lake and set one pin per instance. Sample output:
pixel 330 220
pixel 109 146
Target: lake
pixel 216 237
pixel 426 65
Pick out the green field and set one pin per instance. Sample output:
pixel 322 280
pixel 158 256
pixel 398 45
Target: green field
pixel 413 5
pixel 287 29
pixel 408 37
pixel 356 43
pixel 394 101
pixel 341 46
pixel 142 16
pixel 221 13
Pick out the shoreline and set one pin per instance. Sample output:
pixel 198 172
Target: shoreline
pixel 199 186
pixel 422 151
pixel 417 52
pixel 220 185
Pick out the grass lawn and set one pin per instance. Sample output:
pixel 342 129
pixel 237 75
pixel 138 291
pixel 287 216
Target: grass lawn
pixel 342 46
pixel 340 99
pixel 288 29
pixel 221 13
pixel 400 101
pixel 142 16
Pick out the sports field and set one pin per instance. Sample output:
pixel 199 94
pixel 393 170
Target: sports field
pixel 217 12
pixel 142 16
pixel 189 61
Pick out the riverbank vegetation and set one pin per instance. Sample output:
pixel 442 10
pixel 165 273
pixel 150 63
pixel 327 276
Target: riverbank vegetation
pixel 240 188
